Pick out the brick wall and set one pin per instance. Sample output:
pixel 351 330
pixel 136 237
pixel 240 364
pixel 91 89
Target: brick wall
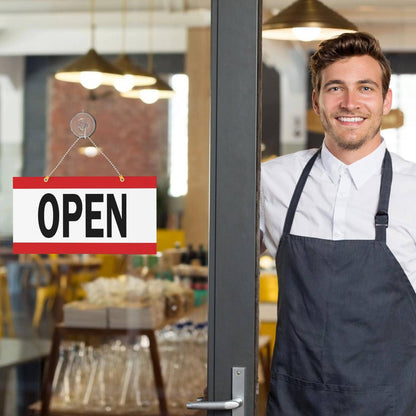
pixel 132 134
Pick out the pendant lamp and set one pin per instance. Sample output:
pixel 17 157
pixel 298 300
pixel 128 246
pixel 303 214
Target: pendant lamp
pixel 306 20
pixel 133 75
pixel 149 95
pixel 91 69
pixel 160 90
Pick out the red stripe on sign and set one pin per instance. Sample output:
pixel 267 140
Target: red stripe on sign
pixel 84 182
pixel 85 248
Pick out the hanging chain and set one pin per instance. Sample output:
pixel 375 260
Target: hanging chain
pixel 92 23
pixel 108 159
pixel 123 26
pixel 62 159
pixel 150 29
pixel 46 178
pixel 83 126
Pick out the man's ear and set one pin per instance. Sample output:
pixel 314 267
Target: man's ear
pixel 387 102
pixel 315 104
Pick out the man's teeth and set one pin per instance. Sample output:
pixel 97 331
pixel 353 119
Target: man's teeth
pixel 351 119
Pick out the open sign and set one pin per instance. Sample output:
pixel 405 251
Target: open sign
pixel 88 215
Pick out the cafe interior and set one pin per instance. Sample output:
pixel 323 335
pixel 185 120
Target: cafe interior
pixel 78 332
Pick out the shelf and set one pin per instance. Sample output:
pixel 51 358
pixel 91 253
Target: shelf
pixel 59 334
pixel 61 331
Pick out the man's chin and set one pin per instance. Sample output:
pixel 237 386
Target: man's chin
pixel 352 143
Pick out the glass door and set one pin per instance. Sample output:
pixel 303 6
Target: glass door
pixel 135 360
pixel 236 58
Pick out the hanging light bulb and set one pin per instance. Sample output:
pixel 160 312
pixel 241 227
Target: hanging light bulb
pixel 160 89
pixel 306 20
pixel 152 93
pixel 126 83
pixel 89 151
pixel 91 79
pixel 149 95
pixel 91 69
pixel 306 34
pixel 133 74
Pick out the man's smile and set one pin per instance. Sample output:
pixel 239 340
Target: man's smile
pixel 350 119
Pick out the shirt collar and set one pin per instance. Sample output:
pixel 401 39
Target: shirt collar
pixel 360 171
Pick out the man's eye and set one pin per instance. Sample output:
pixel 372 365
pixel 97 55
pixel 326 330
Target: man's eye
pixel 366 88
pixel 334 89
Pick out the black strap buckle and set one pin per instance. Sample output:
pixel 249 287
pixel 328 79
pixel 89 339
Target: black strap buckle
pixel 382 219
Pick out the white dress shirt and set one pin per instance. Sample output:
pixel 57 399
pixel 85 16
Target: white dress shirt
pixel 339 201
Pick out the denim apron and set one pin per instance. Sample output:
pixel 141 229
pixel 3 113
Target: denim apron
pixel 346 332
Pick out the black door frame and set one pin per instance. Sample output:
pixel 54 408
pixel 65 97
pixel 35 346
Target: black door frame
pixel 234 179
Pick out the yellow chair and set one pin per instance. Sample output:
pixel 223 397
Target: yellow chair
pixel 6 317
pixel 69 282
pixel 47 290
pixel 167 238
pixel 112 265
pixel 74 290
pixel 44 295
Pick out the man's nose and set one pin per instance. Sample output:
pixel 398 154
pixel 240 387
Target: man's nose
pixel 349 101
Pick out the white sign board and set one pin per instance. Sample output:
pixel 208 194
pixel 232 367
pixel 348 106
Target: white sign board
pixel 85 215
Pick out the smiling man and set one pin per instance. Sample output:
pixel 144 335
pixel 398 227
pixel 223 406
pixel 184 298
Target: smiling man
pixel 340 221
pixel 350 99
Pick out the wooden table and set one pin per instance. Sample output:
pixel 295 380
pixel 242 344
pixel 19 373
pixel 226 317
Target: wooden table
pixel 15 351
pixel 18 351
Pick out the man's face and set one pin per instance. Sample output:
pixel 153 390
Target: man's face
pixel 350 104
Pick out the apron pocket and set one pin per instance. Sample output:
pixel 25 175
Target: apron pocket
pixel 290 396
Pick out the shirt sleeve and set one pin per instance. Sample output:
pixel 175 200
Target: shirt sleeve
pixel 265 241
pixel 261 207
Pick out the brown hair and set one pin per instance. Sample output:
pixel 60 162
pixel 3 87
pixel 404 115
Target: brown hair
pixel 345 46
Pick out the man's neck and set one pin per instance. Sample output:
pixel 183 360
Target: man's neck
pixel 349 156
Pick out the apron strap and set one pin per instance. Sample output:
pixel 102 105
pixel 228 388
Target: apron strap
pixel 298 192
pixel 382 216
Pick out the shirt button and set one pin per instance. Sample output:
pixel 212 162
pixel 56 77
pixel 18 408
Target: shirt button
pixel 342 171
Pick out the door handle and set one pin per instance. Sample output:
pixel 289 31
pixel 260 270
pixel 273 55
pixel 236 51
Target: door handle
pixel 236 405
pixel 205 405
